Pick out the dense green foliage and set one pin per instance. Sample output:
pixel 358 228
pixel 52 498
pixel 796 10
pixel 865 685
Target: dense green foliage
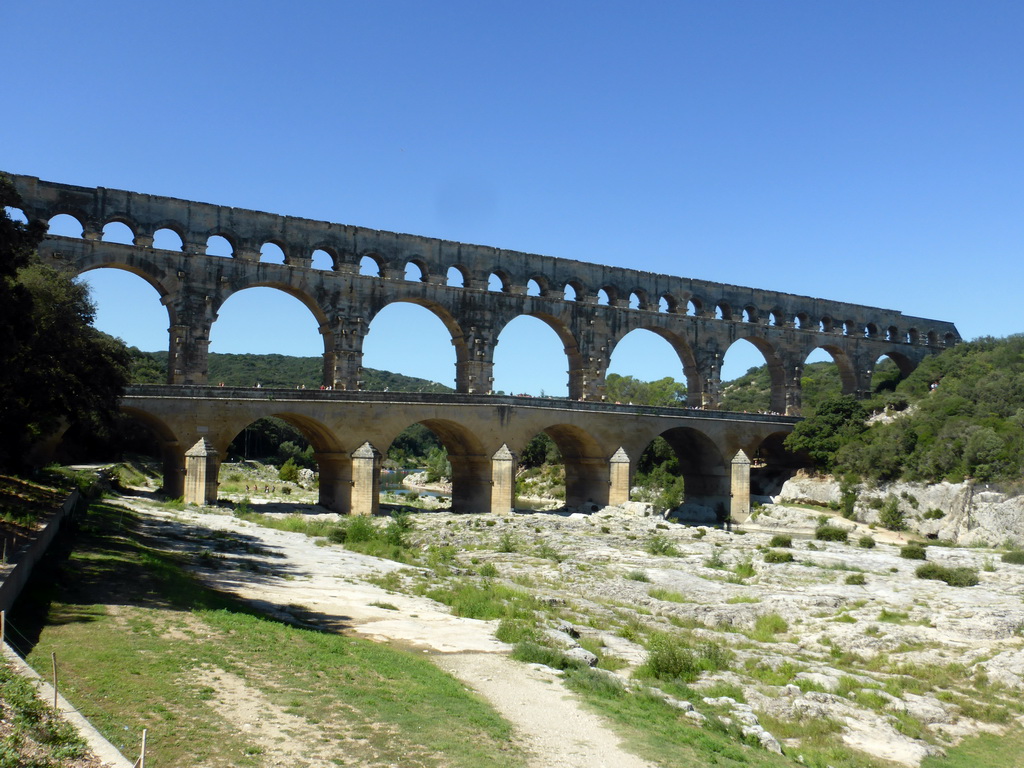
pixel 57 368
pixel 247 370
pixel 959 415
pixel 966 419
pixel 837 420
pixel 821 381
pixel 626 389
pixel 956 577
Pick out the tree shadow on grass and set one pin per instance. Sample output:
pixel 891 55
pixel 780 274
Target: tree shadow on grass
pixel 116 558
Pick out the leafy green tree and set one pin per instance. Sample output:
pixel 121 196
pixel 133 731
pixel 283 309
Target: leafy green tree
pixel 890 515
pixel 57 368
pixel 663 392
pixel 836 421
pixel 289 471
pixel 438 465
pixel 412 446
pixel 540 450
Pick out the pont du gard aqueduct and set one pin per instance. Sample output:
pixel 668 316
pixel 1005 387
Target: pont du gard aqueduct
pixel 589 306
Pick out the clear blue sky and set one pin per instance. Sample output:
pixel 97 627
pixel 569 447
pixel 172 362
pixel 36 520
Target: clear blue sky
pixel 870 152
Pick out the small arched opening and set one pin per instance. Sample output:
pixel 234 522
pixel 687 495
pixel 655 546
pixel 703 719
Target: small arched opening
pixel 218 245
pixel 118 232
pixel 271 253
pixel 416 271
pixel 65 225
pixel 456 277
pixel 371 265
pixel 322 259
pixel 167 239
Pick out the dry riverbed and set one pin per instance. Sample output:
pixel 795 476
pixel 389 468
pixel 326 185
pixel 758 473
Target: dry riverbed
pixel 896 667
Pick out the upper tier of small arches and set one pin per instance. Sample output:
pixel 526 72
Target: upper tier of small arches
pixel 197 228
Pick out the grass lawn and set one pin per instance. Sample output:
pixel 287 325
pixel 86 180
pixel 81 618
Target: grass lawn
pixel 142 645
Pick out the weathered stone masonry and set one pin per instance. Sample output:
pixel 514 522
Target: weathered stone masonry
pixel 702 319
pixel 484 434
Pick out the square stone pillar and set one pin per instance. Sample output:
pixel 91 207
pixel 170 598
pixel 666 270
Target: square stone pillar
pixel 366 463
pixel 503 481
pixel 739 489
pixel 335 481
pixel 618 478
pixel 201 465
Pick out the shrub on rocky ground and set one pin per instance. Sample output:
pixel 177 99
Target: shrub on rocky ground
pixel 830 533
pixel 913 552
pixel 774 556
pixel 866 542
pixel 659 544
pixel 781 540
pixel 672 657
pixel 1016 557
pixel 955 577
pixel 856 579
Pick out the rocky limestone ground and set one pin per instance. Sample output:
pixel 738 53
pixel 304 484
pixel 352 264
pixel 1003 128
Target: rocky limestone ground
pixel 962 513
pixel 898 667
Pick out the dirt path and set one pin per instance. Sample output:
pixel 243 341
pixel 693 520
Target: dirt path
pixel 327 582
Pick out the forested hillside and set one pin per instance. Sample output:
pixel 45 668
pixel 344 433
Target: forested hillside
pixel 273 371
pixel 751 392
pixel 959 415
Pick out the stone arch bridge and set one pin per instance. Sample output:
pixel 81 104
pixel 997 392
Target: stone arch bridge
pixel 699 319
pixel 600 442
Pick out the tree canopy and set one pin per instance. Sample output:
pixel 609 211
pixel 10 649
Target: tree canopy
pixel 57 368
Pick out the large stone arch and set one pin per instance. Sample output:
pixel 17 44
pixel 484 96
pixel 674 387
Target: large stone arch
pixel 704 467
pixel 770 463
pixel 143 268
pixel 464 341
pixel 775 365
pixel 846 365
pixel 586 465
pixel 471 463
pixel 332 455
pixel 680 345
pixel 172 452
pixel 570 344
pixel 904 362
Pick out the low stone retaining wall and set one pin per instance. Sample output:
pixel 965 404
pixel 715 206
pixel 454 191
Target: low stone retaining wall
pixel 14 579
pixel 16 576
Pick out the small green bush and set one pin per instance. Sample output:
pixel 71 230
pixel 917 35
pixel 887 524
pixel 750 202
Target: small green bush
pixel 514 631
pixel 289 471
pixel 766 627
pixel 781 540
pixel 360 528
pixel 866 542
pixel 488 570
pixel 638 576
pixel 775 556
pixel 829 533
pixel 745 570
pixel 670 657
pixel 955 577
pixel 913 552
pixel 1016 557
pixel 934 514
pixel 856 579
pixel 659 544
pixel 715 561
